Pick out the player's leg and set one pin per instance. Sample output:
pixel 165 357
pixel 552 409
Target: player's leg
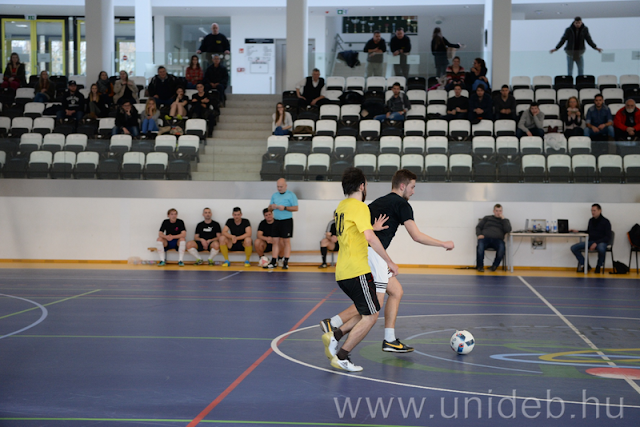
pixel 182 244
pixel 260 246
pixel 248 250
pixel 286 233
pixel 286 242
pixel 160 245
pixel 275 249
pixel 391 343
pixel 224 249
pixel 214 248
pixel 193 248
pixel 324 245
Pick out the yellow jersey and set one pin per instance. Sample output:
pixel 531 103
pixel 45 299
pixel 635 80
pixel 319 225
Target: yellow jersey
pixel 352 219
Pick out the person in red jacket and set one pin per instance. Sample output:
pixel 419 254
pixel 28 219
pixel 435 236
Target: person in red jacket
pixel 627 122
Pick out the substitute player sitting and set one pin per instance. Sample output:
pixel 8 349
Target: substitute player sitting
pixel 171 236
pixel 236 236
pixel 206 238
pixel 329 242
pixel 264 240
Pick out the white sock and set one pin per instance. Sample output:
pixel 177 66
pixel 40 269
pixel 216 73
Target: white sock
pixel 389 334
pixel 194 252
pixel 160 250
pixel 336 321
pixel 181 247
pixel 213 253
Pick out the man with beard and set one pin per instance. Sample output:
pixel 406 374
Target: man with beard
pixel 626 123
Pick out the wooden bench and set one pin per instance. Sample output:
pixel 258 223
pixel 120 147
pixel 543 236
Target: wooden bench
pixel 306 252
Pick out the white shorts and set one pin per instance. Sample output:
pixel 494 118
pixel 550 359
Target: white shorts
pixel 379 270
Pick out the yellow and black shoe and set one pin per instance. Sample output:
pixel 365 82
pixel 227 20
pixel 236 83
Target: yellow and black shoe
pixel 326 326
pixel 395 347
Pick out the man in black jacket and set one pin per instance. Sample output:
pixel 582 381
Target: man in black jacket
pixel 72 103
pixel 575 36
pixel 400 45
pixel 490 231
pixel 216 77
pixel 214 43
pixel 163 87
pixel 599 230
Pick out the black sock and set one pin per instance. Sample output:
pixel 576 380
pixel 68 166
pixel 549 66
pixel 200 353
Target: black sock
pixel 273 261
pixel 338 334
pixel 323 251
pixel 286 260
pixel 342 354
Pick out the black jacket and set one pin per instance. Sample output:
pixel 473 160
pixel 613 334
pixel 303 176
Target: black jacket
pixel 214 44
pixel 163 89
pixel 122 120
pixel 599 230
pixel 575 42
pixel 217 74
pixel 20 74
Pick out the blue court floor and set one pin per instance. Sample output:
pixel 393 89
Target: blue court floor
pixel 242 348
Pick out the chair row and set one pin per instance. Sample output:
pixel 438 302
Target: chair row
pixel 585 96
pixel 587 81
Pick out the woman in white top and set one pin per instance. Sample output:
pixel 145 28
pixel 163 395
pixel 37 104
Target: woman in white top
pixel 282 121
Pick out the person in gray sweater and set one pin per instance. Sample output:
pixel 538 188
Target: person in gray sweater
pixel 531 122
pixel 491 231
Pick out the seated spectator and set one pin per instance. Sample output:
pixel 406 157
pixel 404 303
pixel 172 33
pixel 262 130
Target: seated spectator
pixel 264 240
pixel 455 74
pixel 531 122
pixel 193 73
pixel 329 242
pixel 281 121
pixel 457 105
pixel 572 118
pixel 599 230
pixel 72 104
pixel 236 236
pixel 163 86
pixel 96 106
pixel 178 105
pixel 599 123
pixel 206 238
pixel 477 76
pixel 14 75
pixel 439 45
pixel 505 105
pixel 105 88
pixel 375 47
pixel 491 231
pixel 171 236
pixel 127 121
pixel 480 106
pixel 45 88
pixel 150 118
pixel 201 107
pixel 217 77
pixel 311 90
pixel 396 106
pixel 627 122
pixel 125 90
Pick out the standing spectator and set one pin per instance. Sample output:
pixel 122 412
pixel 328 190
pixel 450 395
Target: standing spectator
pixel 375 47
pixel 397 106
pixel 575 36
pixel 457 105
pixel 150 119
pixel 282 204
pixel 171 235
pixel 194 73
pixel 480 106
pixel 178 105
pixel 627 122
pixel 599 120
pixel 236 236
pixel 163 87
pixel 505 105
pixel 400 45
pixel 96 107
pixel 127 120
pixel 45 88
pixel 311 90
pixel 572 118
pixel 439 45
pixel 264 240
pixel 125 90
pixel 14 75
pixel 281 121
pixel 599 230
pixel 531 122
pixel 72 103
pixel 105 88
pixel 214 43
pixel 206 238
pixel 201 107
pixel 217 77
pixel 329 242
pixel 491 231
pixel 477 76
pixel 455 74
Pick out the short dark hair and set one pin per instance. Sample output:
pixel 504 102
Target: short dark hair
pixel 172 210
pixel 534 104
pixel 265 210
pixel 314 70
pixel 161 68
pixel 396 84
pixel 577 19
pixel 376 32
pixel 237 209
pixel 598 96
pixel 497 205
pixel 457 85
pixel 399 29
pixel 352 178
pixel 402 176
pixel 503 86
pixel 597 206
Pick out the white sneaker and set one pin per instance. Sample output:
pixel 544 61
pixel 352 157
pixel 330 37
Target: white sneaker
pixel 345 365
pixel 281 262
pixel 330 344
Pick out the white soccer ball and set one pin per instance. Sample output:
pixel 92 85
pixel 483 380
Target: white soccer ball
pixel 462 342
pixel 263 261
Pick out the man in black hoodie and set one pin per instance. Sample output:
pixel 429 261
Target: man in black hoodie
pixel 575 36
pixel 599 231
pixel 72 103
pixel 490 231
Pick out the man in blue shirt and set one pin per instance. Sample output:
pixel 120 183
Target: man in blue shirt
pixel 282 203
pixel 599 120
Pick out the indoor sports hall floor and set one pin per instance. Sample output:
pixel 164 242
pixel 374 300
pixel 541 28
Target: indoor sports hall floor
pixel 115 345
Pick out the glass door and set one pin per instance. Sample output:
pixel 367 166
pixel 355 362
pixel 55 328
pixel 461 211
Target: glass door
pixel 16 36
pixel 51 46
pixel 125 47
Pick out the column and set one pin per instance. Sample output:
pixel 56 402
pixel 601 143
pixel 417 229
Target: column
pixel 144 36
pixel 498 48
pixel 297 36
pixel 158 39
pixel 99 34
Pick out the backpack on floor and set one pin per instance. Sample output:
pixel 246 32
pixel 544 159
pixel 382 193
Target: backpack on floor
pixel 619 268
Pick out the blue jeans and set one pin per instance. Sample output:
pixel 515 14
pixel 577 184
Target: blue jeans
pixel 149 125
pixel 133 130
pixel 534 132
pixel 579 63
pixel 608 131
pixel 601 248
pixel 63 114
pixel 393 116
pixel 477 83
pixel 41 97
pixel 280 131
pixel 489 242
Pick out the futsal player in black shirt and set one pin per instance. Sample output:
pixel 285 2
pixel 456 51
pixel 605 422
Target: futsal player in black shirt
pixel 264 239
pixel 236 236
pixel 171 236
pixel 395 206
pixel 206 238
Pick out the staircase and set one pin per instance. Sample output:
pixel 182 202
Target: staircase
pixel 239 140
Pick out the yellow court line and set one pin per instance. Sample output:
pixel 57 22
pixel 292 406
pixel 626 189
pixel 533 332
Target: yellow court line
pixel 48 304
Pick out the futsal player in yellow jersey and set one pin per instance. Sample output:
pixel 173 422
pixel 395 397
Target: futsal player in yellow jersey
pixel 355 234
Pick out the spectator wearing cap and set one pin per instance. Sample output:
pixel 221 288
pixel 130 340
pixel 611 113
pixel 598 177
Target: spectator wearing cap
pixel 72 103
pixel 575 36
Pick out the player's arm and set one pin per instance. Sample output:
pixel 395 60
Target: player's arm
pixel 227 233
pixel 261 236
pixel 420 237
pixel 217 238
pixel 375 244
pixel 162 235
pixel 291 208
pixel 247 233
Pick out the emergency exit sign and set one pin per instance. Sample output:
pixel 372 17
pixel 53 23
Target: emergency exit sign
pixel 341 11
pixel 30 17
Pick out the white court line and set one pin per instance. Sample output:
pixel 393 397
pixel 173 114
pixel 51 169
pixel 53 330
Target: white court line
pixel 590 343
pixel 226 277
pixel 43 316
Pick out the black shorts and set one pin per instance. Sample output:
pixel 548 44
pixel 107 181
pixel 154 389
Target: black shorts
pixel 200 248
pixel 268 248
pixel 337 248
pixel 237 247
pixel 283 228
pixel 362 292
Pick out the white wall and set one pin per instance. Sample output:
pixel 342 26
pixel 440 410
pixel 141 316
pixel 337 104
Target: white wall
pixel 119 228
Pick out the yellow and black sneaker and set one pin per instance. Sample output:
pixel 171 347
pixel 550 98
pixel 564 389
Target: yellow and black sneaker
pixel 326 326
pixel 395 347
